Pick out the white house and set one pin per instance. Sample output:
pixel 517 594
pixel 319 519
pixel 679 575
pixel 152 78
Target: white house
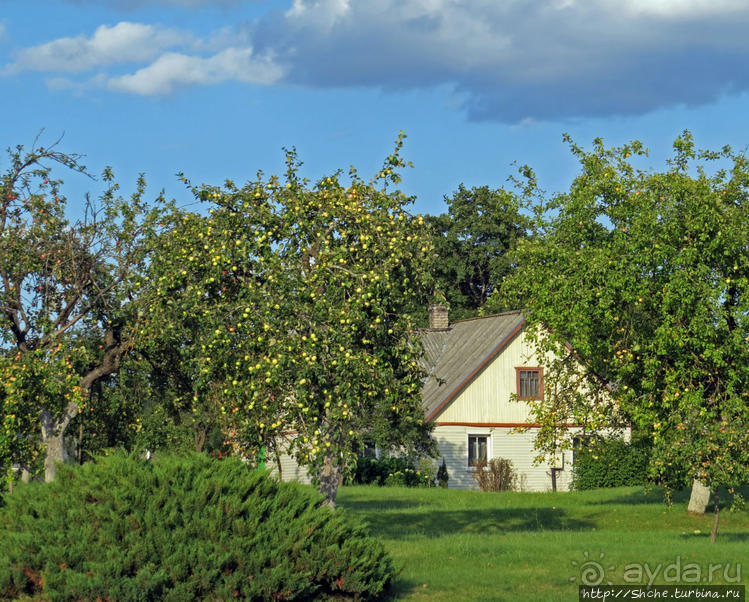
pixel 474 367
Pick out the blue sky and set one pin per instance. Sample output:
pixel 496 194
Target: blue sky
pixel 216 88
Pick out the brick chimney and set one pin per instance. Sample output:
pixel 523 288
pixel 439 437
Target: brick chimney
pixel 438 317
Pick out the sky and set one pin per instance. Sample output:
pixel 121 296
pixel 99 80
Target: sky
pixel 217 88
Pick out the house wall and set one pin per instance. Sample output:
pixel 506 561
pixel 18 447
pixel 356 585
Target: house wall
pixel 484 408
pixel 290 470
pixel 487 398
pixel 503 443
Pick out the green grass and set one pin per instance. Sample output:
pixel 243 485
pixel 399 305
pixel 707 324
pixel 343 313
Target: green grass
pixel 465 545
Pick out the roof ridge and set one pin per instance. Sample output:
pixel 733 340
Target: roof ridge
pixel 497 315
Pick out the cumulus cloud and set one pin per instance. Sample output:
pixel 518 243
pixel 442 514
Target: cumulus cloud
pixel 174 70
pixel 122 43
pixel 515 60
pixel 679 9
pixel 508 60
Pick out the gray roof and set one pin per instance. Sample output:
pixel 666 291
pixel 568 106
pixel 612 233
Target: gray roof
pixel 455 356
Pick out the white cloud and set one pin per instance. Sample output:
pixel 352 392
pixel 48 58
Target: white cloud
pixel 512 59
pixel 680 9
pixel 173 70
pixel 508 60
pixel 322 14
pixel 122 43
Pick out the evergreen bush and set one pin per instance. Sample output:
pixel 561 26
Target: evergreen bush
pixel 191 528
pixel 611 462
pixel 394 472
pixel 442 476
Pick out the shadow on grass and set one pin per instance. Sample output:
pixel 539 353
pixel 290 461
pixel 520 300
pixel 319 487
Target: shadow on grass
pixel 379 505
pixel 657 495
pixel 437 523
pixel 722 537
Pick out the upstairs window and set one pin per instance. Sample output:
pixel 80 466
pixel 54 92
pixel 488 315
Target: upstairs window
pixel 530 383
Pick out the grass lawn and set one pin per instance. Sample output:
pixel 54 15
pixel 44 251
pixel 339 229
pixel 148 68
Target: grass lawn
pixel 466 545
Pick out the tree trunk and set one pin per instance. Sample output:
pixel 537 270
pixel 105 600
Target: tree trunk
pixel 278 464
pixel 716 518
pixel 329 479
pixel 55 454
pixel 699 499
pixel 53 431
pixel 199 436
pixel 554 479
pixel 53 437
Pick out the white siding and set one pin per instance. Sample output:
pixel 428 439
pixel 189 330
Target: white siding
pixel 503 443
pixel 484 408
pixel 487 398
pixel 506 443
pixel 291 471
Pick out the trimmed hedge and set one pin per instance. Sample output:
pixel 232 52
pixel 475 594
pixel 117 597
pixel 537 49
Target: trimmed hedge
pixel 611 463
pixel 123 529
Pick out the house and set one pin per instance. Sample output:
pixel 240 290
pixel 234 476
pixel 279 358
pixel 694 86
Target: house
pixel 474 366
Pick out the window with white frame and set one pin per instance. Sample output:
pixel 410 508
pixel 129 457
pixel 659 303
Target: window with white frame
pixel 478 449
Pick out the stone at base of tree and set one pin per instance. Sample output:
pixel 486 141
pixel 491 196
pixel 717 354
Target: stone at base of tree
pixel 699 499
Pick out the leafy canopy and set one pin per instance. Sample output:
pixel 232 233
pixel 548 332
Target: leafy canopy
pixel 288 301
pixel 68 302
pixel 645 275
pixel 472 243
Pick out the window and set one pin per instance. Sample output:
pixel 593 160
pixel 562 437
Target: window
pixel 478 449
pixel 530 383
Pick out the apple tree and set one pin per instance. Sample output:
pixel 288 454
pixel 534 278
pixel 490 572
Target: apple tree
pixel 290 297
pixel 645 274
pixel 68 299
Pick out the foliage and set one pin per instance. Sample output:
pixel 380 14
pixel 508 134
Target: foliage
pixel 442 476
pixel 68 299
pixel 393 472
pixel 611 462
pixel 644 274
pixel 286 303
pixel 472 241
pixel 496 475
pixel 181 528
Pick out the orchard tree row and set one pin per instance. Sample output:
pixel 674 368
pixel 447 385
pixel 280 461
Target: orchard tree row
pixel 278 317
pixel 283 314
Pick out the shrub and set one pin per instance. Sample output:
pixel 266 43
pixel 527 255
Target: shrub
pixel 442 476
pixel 177 528
pixel 394 472
pixel 498 475
pixel 611 462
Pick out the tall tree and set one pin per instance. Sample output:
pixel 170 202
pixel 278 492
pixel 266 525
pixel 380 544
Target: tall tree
pixel 290 300
pixel 645 274
pixel 472 242
pixel 68 299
